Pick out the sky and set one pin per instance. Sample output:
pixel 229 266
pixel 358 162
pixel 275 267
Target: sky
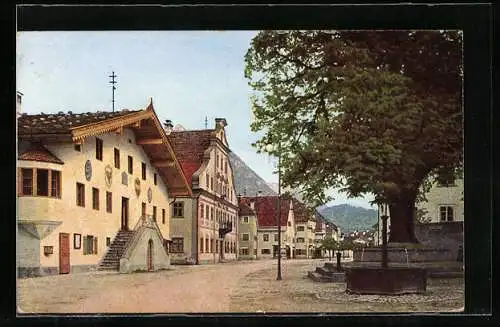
pixel 189 75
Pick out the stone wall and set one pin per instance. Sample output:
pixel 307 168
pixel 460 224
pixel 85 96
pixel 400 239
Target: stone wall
pixel 28 250
pixel 445 235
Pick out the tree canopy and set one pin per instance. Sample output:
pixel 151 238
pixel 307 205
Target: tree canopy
pixel 364 111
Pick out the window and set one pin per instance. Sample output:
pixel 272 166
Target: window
pixel 117 158
pixel 109 202
pixel 154 213
pixel 300 252
pixel 130 165
pixel 300 228
pixel 244 251
pixel 225 168
pixel 98 149
pixel 289 223
pixel 163 216
pixel 201 244
pixel 89 245
pixel 178 210
pixel 27 176
pixel 42 182
pixel 80 195
pixel 108 241
pixel 95 198
pixel 217 246
pixel 245 220
pixel 207 242
pixel 446 213
pixel 155 179
pixel 211 213
pixel 300 240
pixel 143 166
pixel 177 245
pixel 143 209
pixel 265 237
pixel 212 246
pixel 211 183
pixel 265 251
pixel 207 213
pixel 207 178
pixel 55 184
pixel 78 147
pixel 276 237
pixel 244 237
pixel 202 213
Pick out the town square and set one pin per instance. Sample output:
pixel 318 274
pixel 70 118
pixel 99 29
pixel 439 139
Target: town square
pixel 240 171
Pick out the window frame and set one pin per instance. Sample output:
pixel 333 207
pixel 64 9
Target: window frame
pixel 130 165
pixel 80 194
pixel 109 202
pixel 177 245
pixel 247 237
pixel 39 181
pixel 99 148
pixel 30 184
pixel 265 237
pixel 95 198
pixel 448 209
pixel 176 207
pixel 143 171
pixel 117 158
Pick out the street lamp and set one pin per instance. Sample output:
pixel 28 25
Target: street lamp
pixel 270 148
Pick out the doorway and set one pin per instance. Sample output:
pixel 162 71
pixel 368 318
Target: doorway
pixel 124 224
pixel 64 264
pixel 150 255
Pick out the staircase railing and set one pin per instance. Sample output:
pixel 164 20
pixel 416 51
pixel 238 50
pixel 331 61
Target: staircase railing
pixel 145 221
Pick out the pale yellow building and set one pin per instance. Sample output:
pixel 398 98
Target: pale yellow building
pixel 209 234
pixel 94 189
pixel 248 238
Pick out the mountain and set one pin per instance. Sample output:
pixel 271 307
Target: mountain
pixel 350 218
pixel 247 182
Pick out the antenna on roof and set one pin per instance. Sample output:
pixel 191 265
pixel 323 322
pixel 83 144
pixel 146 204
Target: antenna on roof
pixel 113 82
pixel 206 122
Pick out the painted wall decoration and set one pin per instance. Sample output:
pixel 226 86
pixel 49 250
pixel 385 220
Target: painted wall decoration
pixel 137 185
pixel 150 195
pixel 108 175
pixel 124 178
pixel 88 170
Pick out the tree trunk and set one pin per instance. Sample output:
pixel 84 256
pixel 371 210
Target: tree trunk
pixel 402 228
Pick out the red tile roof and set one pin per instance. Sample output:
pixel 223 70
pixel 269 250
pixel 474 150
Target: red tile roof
pixel 266 208
pixel 61 122
pixel 300 212
pixel 189 147
pixel 38 152
pixel 245 209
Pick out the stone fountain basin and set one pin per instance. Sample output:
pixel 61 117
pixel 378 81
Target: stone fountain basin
pixel 386 281
pixel 402 254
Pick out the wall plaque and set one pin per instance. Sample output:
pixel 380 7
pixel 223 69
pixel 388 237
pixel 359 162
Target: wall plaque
pixel 124 178
pixel 88 170
pixel 137 185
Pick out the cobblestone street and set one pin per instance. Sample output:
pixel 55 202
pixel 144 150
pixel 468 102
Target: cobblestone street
pixel 245 286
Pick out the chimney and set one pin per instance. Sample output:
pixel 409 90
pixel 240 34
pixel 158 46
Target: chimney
pixel 220 123
pixel 168 126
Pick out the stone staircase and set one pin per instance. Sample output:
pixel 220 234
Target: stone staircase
pixel 111 260
pixel 327 273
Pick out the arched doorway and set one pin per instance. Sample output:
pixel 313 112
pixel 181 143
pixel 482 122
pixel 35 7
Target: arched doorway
pixel 150 255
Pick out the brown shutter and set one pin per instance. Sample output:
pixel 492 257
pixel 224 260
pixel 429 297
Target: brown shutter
pixel 84 244
pixel 95 245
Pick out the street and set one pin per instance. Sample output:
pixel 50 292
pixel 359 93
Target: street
pixel 243 286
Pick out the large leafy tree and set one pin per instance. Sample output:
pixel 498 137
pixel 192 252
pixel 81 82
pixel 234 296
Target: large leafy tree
pixel 365 111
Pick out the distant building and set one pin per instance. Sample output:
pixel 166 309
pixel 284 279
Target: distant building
pixel 248 237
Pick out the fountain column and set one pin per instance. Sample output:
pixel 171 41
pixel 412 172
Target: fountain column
pixel 384 241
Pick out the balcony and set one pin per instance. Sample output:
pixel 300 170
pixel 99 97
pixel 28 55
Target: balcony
pixel 224 228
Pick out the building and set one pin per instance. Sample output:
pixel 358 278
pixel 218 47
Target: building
pixel 444 204
pixel 305 225
pixel 323 229
pixel 94 189
pixel 204 227
pixel 247 227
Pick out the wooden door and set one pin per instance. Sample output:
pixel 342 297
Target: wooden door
pixel 124 224
pixel 64 264
pixel 150 255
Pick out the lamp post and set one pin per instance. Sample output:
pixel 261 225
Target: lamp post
pixel 270 148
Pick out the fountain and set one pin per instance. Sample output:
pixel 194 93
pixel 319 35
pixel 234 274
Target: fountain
pixel 386 280
pixel 407 261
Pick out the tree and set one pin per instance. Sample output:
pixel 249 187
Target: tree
pixel 366 112
pixel 329 244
